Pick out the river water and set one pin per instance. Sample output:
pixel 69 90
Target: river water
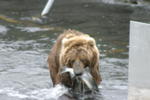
pixel 26 39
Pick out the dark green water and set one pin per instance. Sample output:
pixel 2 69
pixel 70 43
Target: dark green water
pixel 25 44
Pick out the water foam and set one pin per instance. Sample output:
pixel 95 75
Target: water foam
pixel 41 94
pixel 3 29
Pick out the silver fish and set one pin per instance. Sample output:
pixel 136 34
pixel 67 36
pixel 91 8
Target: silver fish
pixel 84 79
pixel 87 78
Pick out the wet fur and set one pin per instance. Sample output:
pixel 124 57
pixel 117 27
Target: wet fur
pixel 73 46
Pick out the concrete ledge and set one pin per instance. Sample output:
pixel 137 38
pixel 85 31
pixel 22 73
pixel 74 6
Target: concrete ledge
pixel 139 94
pixel 139 61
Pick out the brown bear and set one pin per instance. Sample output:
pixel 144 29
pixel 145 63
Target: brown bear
pixel 72 49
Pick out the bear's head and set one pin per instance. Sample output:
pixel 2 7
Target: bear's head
pixel 78 52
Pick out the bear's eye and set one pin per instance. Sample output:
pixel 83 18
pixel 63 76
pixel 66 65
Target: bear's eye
pixel 85 62
pixel 85 66
pixel 70 63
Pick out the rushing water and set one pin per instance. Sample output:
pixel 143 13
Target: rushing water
pixel 25 41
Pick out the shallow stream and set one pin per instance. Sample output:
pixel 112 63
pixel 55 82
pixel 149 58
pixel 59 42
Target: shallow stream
pixel 25 41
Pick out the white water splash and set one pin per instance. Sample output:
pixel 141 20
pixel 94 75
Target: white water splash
pixel 53 93
pixel 100 86
pixel 41 94
pixel 12 92
pixel 3 30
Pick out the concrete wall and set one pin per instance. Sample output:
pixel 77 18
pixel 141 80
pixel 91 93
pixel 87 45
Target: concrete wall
pixel 139 61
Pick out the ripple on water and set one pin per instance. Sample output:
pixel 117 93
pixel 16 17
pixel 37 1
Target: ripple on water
pixel 32 29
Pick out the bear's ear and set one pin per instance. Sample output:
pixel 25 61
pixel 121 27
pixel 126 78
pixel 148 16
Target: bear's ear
pixel 91 41
pixel 65 42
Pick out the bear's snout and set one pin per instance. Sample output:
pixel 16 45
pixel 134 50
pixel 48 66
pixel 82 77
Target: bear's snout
pixel 78 67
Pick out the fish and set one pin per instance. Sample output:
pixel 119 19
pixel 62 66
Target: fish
pixel 82 83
